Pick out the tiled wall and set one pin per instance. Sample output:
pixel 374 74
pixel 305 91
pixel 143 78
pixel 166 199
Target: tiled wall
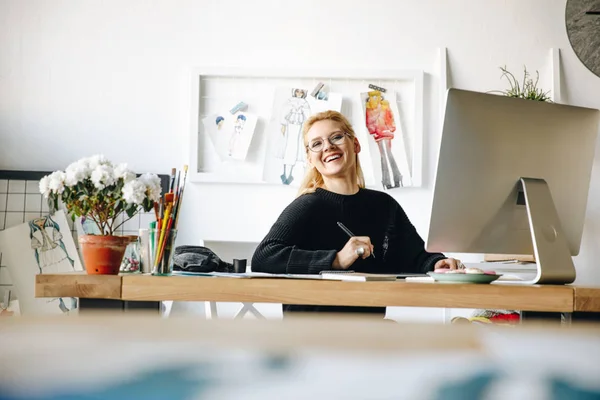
pixel 21 201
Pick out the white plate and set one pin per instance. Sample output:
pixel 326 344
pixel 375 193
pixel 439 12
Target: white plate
pixel 464 278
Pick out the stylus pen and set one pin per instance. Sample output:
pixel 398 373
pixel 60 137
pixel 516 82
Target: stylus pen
pixel 350 234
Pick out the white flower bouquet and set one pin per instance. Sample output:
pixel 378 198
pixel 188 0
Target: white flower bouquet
pixel 95 188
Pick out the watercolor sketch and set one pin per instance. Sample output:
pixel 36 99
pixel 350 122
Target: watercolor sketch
pixel 382 120
pixel 43 245
pixel 48 245
pixel 286 156
pixel 231 135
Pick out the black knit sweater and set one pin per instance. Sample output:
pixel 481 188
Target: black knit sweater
pixel 306 238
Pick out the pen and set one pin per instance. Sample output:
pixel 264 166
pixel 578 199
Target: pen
pixel 349 233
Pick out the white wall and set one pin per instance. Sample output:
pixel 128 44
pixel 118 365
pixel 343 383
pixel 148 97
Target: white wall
pixel 82 77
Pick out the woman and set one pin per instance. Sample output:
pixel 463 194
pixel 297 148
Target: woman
pixel 306 238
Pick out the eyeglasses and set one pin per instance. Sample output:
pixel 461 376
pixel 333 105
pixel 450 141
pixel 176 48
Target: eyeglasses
pixel 335 139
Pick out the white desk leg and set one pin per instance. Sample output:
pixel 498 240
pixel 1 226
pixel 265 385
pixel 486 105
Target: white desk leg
pixel 166 307
pixel 248 307
pixel 447 316
pixel 210 309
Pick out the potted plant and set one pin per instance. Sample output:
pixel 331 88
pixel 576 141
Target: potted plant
pixel 527 89
pixel 107 194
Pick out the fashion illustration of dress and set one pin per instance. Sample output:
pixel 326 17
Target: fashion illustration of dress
pixel 50 252
pixel 381 125
pixel 236 135
pixel 296 111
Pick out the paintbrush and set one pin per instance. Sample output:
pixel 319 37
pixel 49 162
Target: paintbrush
pixel 164 221
pixel 177 193
pixel 180 196
pixel 172 180
pixel 156 211
pixel 157 226
pixel 167 238
pixel 177 184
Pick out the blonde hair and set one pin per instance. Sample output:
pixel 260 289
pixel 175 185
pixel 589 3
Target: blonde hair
pixel 313 178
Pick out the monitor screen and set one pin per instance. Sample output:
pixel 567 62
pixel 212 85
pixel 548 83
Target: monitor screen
pixel 489 142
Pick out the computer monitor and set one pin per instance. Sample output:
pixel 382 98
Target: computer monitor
pixel 513 178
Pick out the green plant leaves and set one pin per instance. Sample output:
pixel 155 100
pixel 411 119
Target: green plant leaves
pixel 527 89
pixel 131 210
pixel 147 204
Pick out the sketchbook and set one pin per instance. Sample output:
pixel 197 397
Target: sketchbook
pixel 248 275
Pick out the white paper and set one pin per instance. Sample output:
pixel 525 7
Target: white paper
pixel 231 135
pixel 285 160
pixel 41 246
pixel 387 144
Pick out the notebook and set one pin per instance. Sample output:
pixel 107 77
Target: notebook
pixel 356 276
pixel 248 275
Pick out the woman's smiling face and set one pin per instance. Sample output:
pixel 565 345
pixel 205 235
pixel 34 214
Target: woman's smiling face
pixel 331 160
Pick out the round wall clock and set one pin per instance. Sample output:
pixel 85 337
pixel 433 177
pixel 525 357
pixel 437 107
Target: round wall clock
pixel 583 28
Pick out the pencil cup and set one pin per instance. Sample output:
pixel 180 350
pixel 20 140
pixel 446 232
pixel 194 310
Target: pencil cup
pixel 239 266
pixel 162 248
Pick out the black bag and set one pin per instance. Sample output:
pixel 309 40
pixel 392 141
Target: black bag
pixel 198 259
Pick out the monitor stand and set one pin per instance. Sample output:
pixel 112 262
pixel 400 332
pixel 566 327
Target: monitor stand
pixel 551 250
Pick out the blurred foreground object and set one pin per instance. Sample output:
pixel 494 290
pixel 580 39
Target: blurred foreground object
pixel 301 357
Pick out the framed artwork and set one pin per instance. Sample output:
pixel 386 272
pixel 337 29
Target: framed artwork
pixel 281 100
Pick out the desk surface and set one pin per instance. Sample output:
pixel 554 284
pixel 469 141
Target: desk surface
pixel 136 287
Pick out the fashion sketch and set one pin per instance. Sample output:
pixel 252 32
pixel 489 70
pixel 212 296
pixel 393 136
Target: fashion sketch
pixel 285 158
pixel 238 128
pixel 295 112
pixel 219 122
pixel 50 252
pixel 381 125
pixel 231 135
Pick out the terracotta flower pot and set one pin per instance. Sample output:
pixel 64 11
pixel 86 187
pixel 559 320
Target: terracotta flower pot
pixel 103 254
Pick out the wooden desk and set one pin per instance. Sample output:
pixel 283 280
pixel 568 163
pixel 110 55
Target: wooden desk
pixel 586 299
pixel 148 288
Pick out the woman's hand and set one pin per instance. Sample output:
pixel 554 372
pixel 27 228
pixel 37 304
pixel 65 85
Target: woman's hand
pixel 351 252
pixel 448 263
